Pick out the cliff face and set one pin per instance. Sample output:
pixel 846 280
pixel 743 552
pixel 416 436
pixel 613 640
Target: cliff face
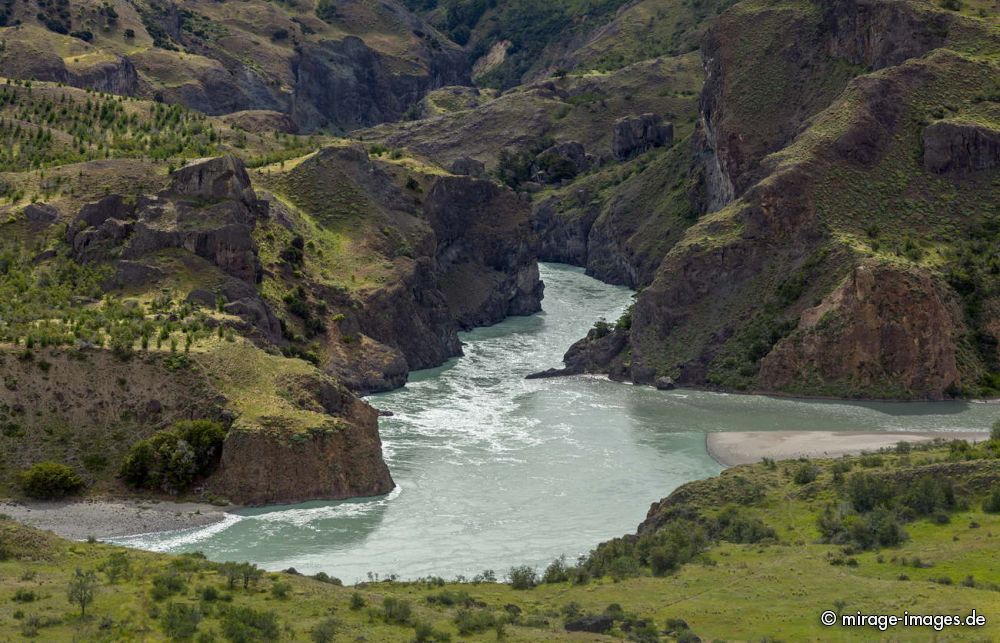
pixel 882 329
pixel 485 250
pixel 454 252
pixel 799 276
pixel 264 466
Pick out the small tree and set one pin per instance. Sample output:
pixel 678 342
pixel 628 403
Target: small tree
pixel 995 431
pixel 81 589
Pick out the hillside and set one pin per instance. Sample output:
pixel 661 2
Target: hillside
pixel 227 221
pixel 758 552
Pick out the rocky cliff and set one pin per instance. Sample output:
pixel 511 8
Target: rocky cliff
pixel 795 277
pixel 453 252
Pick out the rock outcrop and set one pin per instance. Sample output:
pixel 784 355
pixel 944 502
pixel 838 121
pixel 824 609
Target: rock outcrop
pixel 960 147
pixel 486 252
pixel 882 330
pixel 468 166
pixel 636 134
pixel 209 209
pixel 342 460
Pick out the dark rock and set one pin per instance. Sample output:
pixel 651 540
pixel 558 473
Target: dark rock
pixel 347 84
pixel 560 162
pixel 224 177
pixel 486 252
pixel 41 214
pixel 664 384
pixel 153 407
pixel 954 147
pixel 549 372
pixel 595 352
pixel 203 298
pixel 636 134
pixel 256 313
pixel 593 624
pixel 131 274
pixel 468 166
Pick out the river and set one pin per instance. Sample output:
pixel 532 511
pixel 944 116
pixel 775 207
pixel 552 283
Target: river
pixel 493 470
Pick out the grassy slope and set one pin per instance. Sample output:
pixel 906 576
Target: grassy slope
pixel 742 592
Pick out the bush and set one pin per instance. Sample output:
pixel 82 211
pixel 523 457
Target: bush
pixel 929 495
pixel 522 577
pixel 866 491
pixel 735 526
pixel 806 473
pixel 171 460
pixel 245 624
pixel 992 503
pixel 556 572
pixel 995 431
pixel 325 631
pixel 180 621
pixel 280 590
pixel 357 601
pixel 165 585
pixel 49 481
pixel 474 621
pixel 397 611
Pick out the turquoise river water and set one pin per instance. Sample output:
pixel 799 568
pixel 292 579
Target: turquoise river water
pixel 493 470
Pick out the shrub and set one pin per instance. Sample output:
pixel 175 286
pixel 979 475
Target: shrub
pixel 357 601
pixel 735 526
pixel 280 590
pixel 116 566
pixel 24 596
pixel 165 585
pixel 866 491
pixel 929 495
pixel 397 611
pixel 180 621
pixel 992 503
pixel 325 631
pixel 474 621
pixel 245 624
pixel 523 577
pixel 556 572
pixel 49 481
pixel 806 473
pixel 172 459
pixel 995 431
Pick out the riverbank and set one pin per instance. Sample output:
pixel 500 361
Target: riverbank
pixel 79 520
pixel 746 447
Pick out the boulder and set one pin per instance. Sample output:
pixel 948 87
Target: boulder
pixel 960 147
pixel 593 624
pixel 219 178
pixel 561 161
pixel 41 214
pixel 664 384
pixel 636 134
pixel 468 166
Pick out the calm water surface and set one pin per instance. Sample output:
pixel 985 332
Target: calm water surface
pixel 494 470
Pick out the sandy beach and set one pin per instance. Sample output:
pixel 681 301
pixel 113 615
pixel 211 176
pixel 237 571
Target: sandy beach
pixel 744 447
pixel 80 520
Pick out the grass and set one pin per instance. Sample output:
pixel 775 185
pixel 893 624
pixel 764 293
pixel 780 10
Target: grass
pixel 773 589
